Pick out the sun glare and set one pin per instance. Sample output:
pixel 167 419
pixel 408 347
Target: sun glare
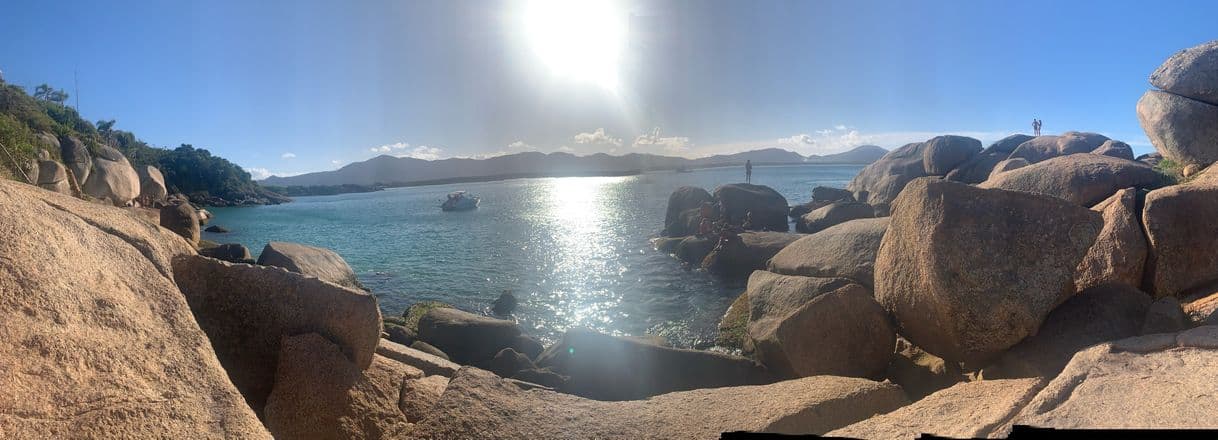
pixel 578 39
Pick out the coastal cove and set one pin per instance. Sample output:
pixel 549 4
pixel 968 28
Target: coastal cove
pixel 576 251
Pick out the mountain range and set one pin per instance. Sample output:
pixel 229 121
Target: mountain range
pixel 405 171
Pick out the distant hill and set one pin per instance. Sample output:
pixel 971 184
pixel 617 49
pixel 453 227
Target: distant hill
pixel 403 171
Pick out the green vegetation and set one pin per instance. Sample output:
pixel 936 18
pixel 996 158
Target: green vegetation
pixel 204 178
pixel 733 329
pixel 415 312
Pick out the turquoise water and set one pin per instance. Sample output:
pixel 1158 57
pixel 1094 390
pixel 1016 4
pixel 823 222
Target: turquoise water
pixel 575 250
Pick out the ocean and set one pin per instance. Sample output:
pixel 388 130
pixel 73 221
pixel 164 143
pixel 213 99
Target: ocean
pixel 575 251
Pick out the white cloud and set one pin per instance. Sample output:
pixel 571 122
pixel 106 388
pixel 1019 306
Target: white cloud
pixel 840 127
pixel 798 140
pixel 566 149
pixel 519 145
pixel 288 155
pixel 390 147
pixel 258 173
pixel 423 152
pixel 671 144
pixel 597 137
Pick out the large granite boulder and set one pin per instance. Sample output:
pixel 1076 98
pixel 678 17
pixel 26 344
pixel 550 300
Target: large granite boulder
pixel 769 208
pixel 247 310
pixel 112 178
pixel 981 409
pixel 152 186
pixel 1134 383
pixel 941 154
pixel 1119 252
pixel 478 404
pixel 846 250
pixel 419 396
pixel 1099 314
pixel 977 169
pixel 1115 149
pixel 737 259
pixel 320 394
pixel 429 364
pixel 880 182
pixel 920 373
pixel 182 219
pixel 969 272
pixel 683 199
pixel 831 194
pixel 230 252
pixel 833 214
pixel 309 260
pixel 76 156
pixel 607 367
pixel 1007 165
pixel 1191 73
pixel 693 249
pixel 53 176
pixel 1043 148
pixel 466 338
pixel 1180 128
pixel 801 326
pixel 1085 179
pixel 1182 235
pixel 96 341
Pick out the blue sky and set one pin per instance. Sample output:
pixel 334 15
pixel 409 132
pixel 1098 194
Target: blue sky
pixel 287 87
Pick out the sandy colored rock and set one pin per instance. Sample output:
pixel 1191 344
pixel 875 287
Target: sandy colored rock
pixel 1182 234
pixel 246 310
pixel 769 208
pixel 1099 314
pixel 833 214
pixel 52 176
pixel 112 178
pixel 1120 250
pixel 1095 389
pixel 879 183
pixel 152 186
pixel 607 367
pixel 1084 179
pixel 846 250
pixel 320 394
pixel 979 168
pixel 309 260
pixel 1191 73
pixel 419 396
pixel 1007 165
pixel 1181 129
pixel 920 373
pixel 804 327
pixel 981 409
pixel 429 364
pixel 941 154
pixel 1115 149
pixel 740 258
pixel 182 219
pixel 478 404
pixel 95 339
pixel 1041 148
pixel 969 272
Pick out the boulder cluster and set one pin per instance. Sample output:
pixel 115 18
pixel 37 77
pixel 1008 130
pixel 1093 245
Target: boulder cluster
pixel 1040 281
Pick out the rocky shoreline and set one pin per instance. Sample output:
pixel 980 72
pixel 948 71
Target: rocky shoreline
pixel 1040 281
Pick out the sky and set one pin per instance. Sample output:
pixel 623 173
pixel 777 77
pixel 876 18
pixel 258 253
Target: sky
pixel 287 87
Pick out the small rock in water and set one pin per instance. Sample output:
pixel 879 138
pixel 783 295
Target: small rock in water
pixel 504 305
pixel 217 229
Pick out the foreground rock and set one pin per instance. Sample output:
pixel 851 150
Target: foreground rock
pixel 738 259
pixel 1181 244
pixel 314 261
pixel 979 168
pixel 605 367
pixel 1134 383
pixel 768 207
pixel 846 250
pixel 833 214
pixel 1015 274
pixel 467 338
pixel 1180 128
pixel 968 410
pixel 1119 252
pixel 112 178
pixel 1084 179
pixel 1099 314
pixel 478 404
pixel 685 198
pixel 95 339
pixel 801 326
pixel 246 311
pixel 1191 73
pixel 320 394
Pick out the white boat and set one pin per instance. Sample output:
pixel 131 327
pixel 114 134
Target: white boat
pixel 459 201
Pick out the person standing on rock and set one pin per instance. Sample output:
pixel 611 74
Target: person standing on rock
pixel 748 171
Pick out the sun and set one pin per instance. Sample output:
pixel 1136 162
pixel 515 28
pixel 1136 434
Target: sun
pixel 580 40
